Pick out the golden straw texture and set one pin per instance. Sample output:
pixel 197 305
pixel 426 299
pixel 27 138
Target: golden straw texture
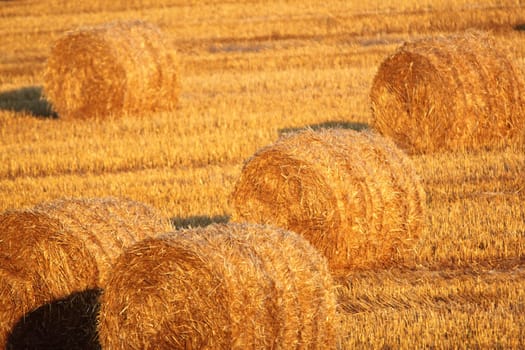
pixel 354 195
pixel 64 247
pixel 111 69
pixel 450 93
pixel 226 286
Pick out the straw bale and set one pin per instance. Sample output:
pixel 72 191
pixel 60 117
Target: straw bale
pixel 226 286
pixel 111 69
pixel 354 195
pixel 458 92
pixel 64 247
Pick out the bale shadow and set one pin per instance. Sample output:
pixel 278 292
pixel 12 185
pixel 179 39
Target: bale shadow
pixel 27 99
pixel 520 27
pixel 69 323
pixel 198 221
pixel 357 126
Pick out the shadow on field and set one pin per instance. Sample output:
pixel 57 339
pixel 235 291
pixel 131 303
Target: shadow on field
pixel 27 99
pixel 68 323
pixel 328 125
pixel 198 221
pixel 520 27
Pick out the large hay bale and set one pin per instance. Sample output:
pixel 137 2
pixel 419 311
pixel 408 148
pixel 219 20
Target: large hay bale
pixel 450 93
pixel 354 195
pixel 64 247
pixel 226 286
pixel 111 69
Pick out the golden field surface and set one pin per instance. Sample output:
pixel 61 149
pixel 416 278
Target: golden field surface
pixel 249 72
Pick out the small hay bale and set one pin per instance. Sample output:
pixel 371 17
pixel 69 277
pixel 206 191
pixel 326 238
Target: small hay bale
pixel 450 93
pixel 64 247
pixel 226 286
pixel 111 69
pixel 354 195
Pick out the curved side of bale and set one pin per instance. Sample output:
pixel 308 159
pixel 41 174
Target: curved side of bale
pixel 354 196
pixel 453 93
pixel 234 286
pixel 106 225
pixel 397 185
pixel 304 286
pixel 40 260
pixel 111 69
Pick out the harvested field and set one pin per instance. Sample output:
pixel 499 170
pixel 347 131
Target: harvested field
pixel 247 73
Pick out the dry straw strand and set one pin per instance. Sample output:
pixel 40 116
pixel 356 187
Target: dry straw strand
pixel 226 286
pixel 458 92
pixel 123 67
pixel 354 195
pixel 64 247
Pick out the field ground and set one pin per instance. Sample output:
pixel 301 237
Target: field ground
pixel 250 71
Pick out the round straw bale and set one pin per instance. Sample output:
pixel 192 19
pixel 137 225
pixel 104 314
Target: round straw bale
pixel 64 247
pixel 450 93
pixel 354 195
pixel 226 286
pixel 111 69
